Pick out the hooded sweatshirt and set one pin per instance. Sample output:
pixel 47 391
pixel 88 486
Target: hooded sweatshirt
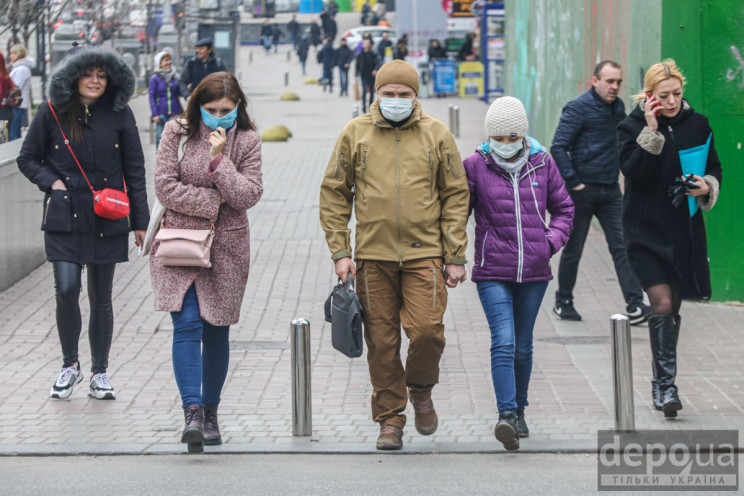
pixel 21 76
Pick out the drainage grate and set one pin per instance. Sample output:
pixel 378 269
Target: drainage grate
pixel 259 345
pixel 565 340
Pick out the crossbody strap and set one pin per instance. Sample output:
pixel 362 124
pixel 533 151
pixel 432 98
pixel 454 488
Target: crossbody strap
pixel 67 142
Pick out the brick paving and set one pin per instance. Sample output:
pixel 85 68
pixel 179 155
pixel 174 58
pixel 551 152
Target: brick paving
pixel 291 275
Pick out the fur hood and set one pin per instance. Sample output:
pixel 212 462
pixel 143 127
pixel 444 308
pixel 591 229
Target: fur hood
pixel 120 78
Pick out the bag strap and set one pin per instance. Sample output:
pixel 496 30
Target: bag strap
pixel 67 142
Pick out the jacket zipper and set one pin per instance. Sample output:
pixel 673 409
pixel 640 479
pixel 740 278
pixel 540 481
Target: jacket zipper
pixel 520 249
pixel 364 179
pixel 671 132
pixel 46 210
pixel 434 300
pixel 431 172
pixel 397 173
pixel 483 250
pixel 451 168
pixel 366 290
pixel 338 165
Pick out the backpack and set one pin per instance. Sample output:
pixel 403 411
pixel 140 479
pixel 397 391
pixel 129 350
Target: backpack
pixel 344 311
pixel 14 98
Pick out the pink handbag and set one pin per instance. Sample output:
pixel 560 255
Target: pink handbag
pixel 185 247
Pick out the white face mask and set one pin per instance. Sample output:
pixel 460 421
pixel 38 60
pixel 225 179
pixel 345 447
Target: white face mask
pixel 396 109
pixel 505 150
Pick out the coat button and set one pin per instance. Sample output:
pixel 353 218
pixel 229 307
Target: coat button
pixel 116 145
pixel 67 178
pixel 101 234
pixel 74 215
pixel 105 180
pixel 65 197
pixel 56 147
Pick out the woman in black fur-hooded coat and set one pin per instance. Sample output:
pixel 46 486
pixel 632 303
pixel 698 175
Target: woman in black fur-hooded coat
pixel 89 92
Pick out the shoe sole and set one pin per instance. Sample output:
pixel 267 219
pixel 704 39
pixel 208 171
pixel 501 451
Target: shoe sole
pixel 427 431
pixel 389 447
pixel 507 436
pixel 196 447
pixel 60 395
pixel 670 409
pixel 212 442
pixel 572 319
pixel 107 395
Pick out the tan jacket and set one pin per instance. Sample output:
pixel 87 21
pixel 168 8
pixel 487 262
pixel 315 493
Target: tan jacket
pixel 408 187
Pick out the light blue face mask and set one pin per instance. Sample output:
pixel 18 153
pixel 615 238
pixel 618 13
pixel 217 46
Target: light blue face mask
pixel 396 109
pixel 225 122
pixel 505 150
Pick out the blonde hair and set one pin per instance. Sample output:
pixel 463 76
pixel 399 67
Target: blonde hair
pixel 19 51
pixel 661 71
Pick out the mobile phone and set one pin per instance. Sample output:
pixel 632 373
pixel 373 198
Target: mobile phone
pixel 649 96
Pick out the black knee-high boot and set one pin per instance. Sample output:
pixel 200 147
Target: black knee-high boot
pixel 663 335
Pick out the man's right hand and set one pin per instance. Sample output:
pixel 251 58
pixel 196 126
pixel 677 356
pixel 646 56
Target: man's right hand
pixel 343 267
pixel 58 184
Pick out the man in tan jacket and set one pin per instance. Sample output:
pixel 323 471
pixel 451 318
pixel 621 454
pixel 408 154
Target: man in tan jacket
pixel 401 171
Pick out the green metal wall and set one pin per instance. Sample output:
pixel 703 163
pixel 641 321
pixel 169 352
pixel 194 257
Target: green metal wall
pixel 552 47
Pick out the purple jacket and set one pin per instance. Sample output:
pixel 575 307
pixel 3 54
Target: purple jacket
pixel 511 240
pixel 159 96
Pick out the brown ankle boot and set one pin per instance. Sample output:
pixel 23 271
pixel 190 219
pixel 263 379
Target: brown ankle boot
pixel 212 434
pixel 391 438
pixel 426 420
pixel 193 432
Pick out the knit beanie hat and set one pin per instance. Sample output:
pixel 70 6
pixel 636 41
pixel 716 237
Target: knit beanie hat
pixel 506 117
pixel 160 56
pixel 398 72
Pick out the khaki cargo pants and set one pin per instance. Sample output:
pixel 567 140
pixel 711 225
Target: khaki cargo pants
pixel 412 294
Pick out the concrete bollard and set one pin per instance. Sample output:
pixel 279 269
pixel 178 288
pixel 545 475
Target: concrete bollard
pixel 456 111
pixel 302 405
pixel 286 78
pixel 622 373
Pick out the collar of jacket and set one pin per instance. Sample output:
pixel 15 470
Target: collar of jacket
pixel 615 106
pixel 379 121
pixel 535 149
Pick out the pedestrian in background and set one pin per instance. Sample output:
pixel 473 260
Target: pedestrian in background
pixel 344 57
pixel 585 149
pixel 205 62
pixel 293 28
pixel 88 92
pixel 6 84
pixel 314 34
pixel 514 185
pixel 436 50
pixel 302 48
pixel 217 179
pixel 327 57
pixel 401 50
pixel 467 50
pixel 365 13
pixel 20 73
pixel 164 92
pixel 383 45
pixel 366 65
pixel 664 232
pixel 410 241
pixel 276 33
pixel 266 33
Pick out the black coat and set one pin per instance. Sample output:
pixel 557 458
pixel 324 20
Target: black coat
pixel 302 47
pixel 664 244
pixel 585 142
pixel 109 152
pixel 366 62
pixel 196 69
pixel 314 34
pixel 344 56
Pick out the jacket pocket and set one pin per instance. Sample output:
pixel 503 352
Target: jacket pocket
pixel 57 212
pixel 364 174
pixel 431 175
pixel 114 227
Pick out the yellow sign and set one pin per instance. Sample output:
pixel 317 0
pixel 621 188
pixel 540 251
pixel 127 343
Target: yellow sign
pixel 461 8
pixel 470 75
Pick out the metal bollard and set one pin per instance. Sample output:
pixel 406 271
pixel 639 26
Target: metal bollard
pixel 289 55
pixel 302 410
pixel 451 117
pixel 286 78
pixel 622 373
pixel 250 56
pixel 456 110
pixel 355 111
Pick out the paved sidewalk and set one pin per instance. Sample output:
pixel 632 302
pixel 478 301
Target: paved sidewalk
pixel 291 275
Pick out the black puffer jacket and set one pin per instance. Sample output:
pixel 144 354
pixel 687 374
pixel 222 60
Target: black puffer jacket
pixel 109 152
pixel 585 141
pixel 665 245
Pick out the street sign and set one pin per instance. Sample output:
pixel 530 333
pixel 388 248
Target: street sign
pixel 444 76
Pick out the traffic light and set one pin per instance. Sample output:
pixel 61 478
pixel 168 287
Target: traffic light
pixel 179 15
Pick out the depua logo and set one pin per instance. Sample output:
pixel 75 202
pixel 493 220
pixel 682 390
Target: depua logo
pixel 668 460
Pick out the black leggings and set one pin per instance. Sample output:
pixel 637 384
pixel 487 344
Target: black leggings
pixel 67 282
pixel 664 299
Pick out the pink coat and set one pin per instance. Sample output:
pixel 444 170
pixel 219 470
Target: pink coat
pixel 193 195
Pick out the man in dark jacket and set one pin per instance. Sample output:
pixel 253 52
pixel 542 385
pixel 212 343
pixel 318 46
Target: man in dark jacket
pixel 585 149
pixel 202 64
pixel 383 44
pixel 303 46
pixel 293 27
pixel 327 57
pixel 344 56
pixel 367 64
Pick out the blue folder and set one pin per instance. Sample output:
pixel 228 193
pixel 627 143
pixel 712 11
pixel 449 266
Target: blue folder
pixel 693 161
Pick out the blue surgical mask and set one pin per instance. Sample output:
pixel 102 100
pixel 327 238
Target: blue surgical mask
pixel 505 150
pixel 225 122
pixel 396 109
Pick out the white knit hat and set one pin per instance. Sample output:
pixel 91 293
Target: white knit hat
pixel 506 117
pixel 160 56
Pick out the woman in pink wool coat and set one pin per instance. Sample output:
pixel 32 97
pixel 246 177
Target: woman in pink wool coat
pixel 217 180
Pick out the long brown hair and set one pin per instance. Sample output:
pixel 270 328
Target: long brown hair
pixel 216 86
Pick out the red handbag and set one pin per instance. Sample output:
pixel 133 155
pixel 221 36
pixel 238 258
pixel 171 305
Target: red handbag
pixel 108 203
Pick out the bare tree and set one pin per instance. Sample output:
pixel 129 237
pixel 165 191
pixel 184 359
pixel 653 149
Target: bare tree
pixel 25 16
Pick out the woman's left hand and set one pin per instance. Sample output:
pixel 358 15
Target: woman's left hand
pixel 217 140
pixel 139 237
pixel 704 188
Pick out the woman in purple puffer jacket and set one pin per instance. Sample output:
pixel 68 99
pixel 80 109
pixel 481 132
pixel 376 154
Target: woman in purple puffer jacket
pixel 513 185
pixel 164 90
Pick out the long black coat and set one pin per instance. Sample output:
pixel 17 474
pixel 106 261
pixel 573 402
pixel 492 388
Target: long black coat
pixel 665 245
pixel 109 151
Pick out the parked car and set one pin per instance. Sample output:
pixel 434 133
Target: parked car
pixel 354 35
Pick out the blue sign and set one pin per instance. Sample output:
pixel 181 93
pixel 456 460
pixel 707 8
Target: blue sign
pixel 444 76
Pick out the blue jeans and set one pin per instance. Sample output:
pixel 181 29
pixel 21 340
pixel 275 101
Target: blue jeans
pixel 201 353
pixel 20 118
pixel 343 76
pixel 159 126
pixel 511 310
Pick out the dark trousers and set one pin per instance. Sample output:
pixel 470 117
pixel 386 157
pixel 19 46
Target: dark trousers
pixel 605 202
pixel 368 88
pixel 67 283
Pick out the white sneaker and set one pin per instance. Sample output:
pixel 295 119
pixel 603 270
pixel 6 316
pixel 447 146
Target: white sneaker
pixel 68 377
pixel 101 388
